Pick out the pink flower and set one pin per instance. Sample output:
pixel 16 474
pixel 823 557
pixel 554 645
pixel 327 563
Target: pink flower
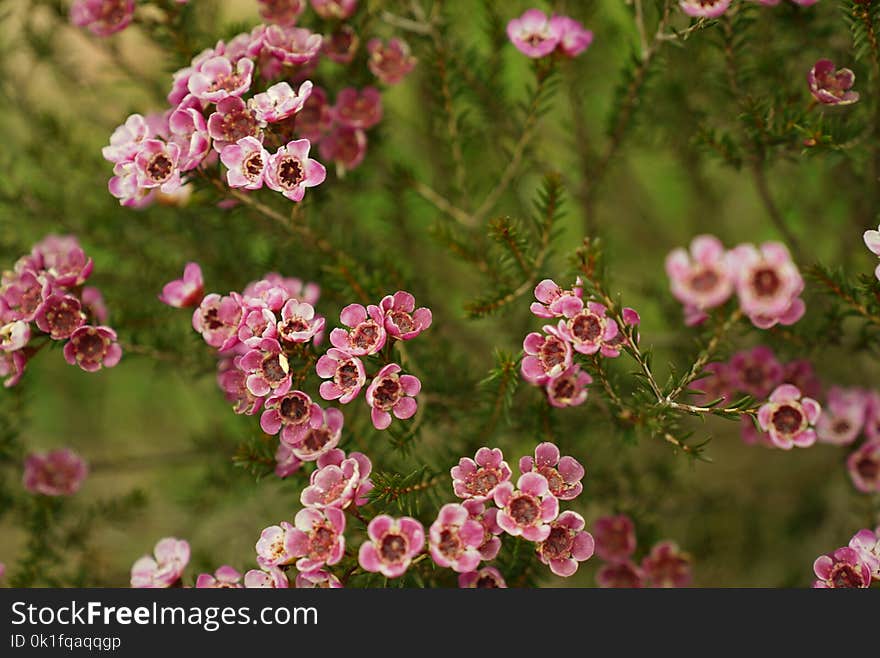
pixel 12 365
pixel 224 578
pixel 268 577
pixel 831 87
pixel 291 45
pixel 267 368
pixel 320 436
pixel 756 371
pixel 341 44
pixel 275 546
pixel 590 330
pixel 59 316
pixel 315 118
pixel 358 109
pixel 334 9
pixel 346 375
pixel 281 12
pixel 872 242
pixel 63 259
pixel 563 474
pixel 402 319
pixel 317 538
pixel 717 384
pixel 291 414
pixel 490 544
pixel 164 568
pixel 218 77
pixel 392 392
pixel 527 509
pixel 56 473
pixel 864 467
pixel 2 571
pixel 188 291
pixel 246 163
pixel 768 284
pixel 533 34
pixel 290 170
pixel 700 280
pixel 124 185
pixel 14 335
pixel 126 139
pixel 547 355
pixel 22 296
pixel 102 17
pixel 233 383
pixel 801 373
pixel 346 147
pixel 615 537
pixel 392 545
pixel 553 301
pixel 390 63
pixel 454 539
pixel 872 416
pixel 789 418
pixel 92 348
pixel 231 122
pixel 844 568
pixel 485 578
pixel 279 102
pixel 157 165
pixel 339 481
pixel 479 478
pixel 319 579
pixel 299 324
pixel 217 319
pixel 667 566
pixel 618 575
pixel 286 463
pixel 268 293
pixel 190 132
pixel 867 544
pixel 843 416
pixel 573 38
pixel 569 388
pixel 566 545
pixel 704 8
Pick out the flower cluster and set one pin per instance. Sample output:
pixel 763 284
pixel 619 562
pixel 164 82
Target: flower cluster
pixel 369 331
pixel 766 281
pixel 536 35
pixel 55 473
pixel 528 509
pixel 583 328
pixel 665 565
pixel 856 565
pixel 43 299
pixel 249 104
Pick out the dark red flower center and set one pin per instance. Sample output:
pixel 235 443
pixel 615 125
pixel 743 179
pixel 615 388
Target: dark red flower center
pixel 450 543
pixel 787 419
pixel 160 168
pixel 403 320
pixel 365 335
pixel 290 172
pixel 487 581
pixel 845 575
pixel 587 327
pixel 524 510
pixel 274 369
pixel 347 375
pixel 868 468
pixel 564 388
pixel 482 481
pixel 63 318
pixel 705 280
pixel 558 544
pixel 552 352
pixel 294 408
pixel 316 438
pixel 321 542
pixel 90 345
pixel 393 547
pixel 253 165
pixel 554 479
pixel 766 282
pixel 387 393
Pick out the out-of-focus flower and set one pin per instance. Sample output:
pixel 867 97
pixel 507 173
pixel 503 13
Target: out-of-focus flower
pixel 831 87
pixel 187 291
pixel 789 418
pixel 55 473
pixel 164 568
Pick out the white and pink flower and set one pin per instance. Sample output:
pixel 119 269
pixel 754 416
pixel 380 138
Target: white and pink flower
pixel 317 538
pixel 290 170
pixel 479 478
pixel 392 545
pixel 345 374
pixel 563 474
pixel 164 568
pixel 390 392
pixel 527 509
pixel 789 418
pixel 567 545
pixel 454 539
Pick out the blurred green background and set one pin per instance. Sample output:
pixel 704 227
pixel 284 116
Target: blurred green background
pixel 158 423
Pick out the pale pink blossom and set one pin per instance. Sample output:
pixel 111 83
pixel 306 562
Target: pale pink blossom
pixel 164 568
